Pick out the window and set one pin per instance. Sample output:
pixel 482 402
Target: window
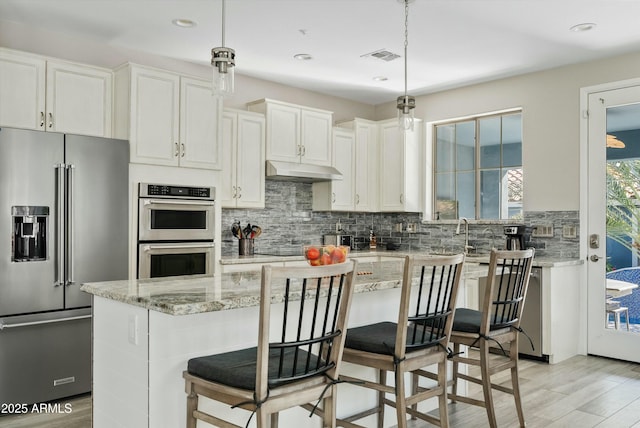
pixel 478 168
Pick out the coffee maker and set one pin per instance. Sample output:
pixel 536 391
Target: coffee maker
pixel 518 236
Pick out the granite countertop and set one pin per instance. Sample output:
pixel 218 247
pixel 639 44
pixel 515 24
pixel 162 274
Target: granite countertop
pixel 183 295
pixel 474 258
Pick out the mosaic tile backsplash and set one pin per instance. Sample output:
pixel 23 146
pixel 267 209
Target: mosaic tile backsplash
pixel 288 223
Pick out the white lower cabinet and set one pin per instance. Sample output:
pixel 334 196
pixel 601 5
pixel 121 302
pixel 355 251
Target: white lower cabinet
pixel 169 119
pixel 243 154
pixel 52 95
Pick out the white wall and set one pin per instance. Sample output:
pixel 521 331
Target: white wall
pixel 551 121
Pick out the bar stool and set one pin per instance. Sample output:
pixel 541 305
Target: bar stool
pixel 613 307
pixel 419 339
pixel 496 324
pixel 300 366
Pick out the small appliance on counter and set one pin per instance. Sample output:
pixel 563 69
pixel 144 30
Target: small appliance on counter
pixel 518 236
pixel 338 239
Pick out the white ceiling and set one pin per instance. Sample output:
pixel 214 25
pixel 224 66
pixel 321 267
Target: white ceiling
pixel 451 42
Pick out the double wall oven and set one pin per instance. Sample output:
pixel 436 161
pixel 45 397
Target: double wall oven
pixel 175 230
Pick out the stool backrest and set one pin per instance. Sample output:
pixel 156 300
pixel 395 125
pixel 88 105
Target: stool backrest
pixel 306 338
pixel 429 291
pixel 506 290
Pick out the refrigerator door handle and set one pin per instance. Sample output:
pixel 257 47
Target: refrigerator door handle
pixel 70 279
pixel 60 202
pixel 28 324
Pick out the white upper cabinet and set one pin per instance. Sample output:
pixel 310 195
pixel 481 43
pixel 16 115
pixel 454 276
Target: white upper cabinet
pixel 339 195
pixel 400 167
pixel 366 163
pixel 169 119
pixel 243 154
pixel 296 133
pixel 52 95
pixel 199 147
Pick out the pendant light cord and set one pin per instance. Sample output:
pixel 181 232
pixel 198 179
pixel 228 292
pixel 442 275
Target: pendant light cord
pixel 223 2
pixel 406 41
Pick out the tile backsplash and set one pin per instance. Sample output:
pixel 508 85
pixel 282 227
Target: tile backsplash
pixel 288 223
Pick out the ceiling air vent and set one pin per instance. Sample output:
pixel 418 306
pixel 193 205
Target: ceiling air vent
pixel 382 54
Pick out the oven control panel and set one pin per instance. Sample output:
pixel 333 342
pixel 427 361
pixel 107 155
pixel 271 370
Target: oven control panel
pixel 171 191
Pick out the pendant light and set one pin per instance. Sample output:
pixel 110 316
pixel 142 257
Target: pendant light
pixel 223 60
pixel 406 103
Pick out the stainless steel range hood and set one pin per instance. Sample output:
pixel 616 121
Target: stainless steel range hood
pixel 293 171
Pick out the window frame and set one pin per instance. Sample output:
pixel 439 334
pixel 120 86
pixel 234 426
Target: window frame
pixel 431 209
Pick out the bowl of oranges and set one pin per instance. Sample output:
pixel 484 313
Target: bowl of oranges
pixel 320 255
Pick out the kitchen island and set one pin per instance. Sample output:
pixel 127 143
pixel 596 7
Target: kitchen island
pixel 145 331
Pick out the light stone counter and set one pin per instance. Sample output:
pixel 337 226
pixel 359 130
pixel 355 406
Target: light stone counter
pixel 183 296
pixel 473 258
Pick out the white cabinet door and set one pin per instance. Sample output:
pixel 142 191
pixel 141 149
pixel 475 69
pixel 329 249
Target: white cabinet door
pixel 154 117
pixel 79 99
pixel 22 90
pixel 226 192
pixel 199 142
pixel 366 166
pixel 251 160
pixel 283 133
pixel 316 137
pixel 400 168
pixel 338 195
pixel 343 191
pixel 391 168
pixel 243 153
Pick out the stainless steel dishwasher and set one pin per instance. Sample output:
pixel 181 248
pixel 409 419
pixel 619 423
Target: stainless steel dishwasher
pixel 531 322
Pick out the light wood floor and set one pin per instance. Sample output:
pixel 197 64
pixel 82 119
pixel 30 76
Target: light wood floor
pixel 580 392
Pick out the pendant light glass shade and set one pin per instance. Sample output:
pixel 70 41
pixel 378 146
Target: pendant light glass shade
pixel 406 106
pixel 223 60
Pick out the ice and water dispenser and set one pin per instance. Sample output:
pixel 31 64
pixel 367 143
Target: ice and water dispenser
pixel 29 233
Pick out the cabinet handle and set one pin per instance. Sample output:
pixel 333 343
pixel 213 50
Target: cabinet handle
pixel 401 198
pixel 239 192
pixel 299 152
pixel 50 120
pixel 333 197
pixel 182 150
pixel 304 150
pixel 41 119
pixel 177 149
pixel 233 190
pixel 357 199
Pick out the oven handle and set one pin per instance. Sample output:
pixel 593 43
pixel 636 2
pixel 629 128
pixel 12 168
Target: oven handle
pixel 151 247
pixel 177 202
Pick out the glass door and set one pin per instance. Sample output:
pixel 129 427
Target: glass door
pixel 613 220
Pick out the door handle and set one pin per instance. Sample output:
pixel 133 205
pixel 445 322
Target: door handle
pixel 594 258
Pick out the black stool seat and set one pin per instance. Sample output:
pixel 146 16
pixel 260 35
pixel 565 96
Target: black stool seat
pixel 469 320
pixel 380 338
pixel 238 368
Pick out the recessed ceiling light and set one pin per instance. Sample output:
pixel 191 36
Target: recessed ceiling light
pixel 380 78
pixel 184 23
pixel 585 26
pixel 303 57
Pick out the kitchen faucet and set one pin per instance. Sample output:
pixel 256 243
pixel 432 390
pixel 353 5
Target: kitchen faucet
pixel 467 247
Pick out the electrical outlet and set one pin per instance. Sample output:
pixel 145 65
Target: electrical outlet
pixel 543 231
pixel 133 329
pixel 569 231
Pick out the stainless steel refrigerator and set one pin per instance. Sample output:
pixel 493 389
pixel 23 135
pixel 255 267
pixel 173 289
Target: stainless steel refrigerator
pixel 63 221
